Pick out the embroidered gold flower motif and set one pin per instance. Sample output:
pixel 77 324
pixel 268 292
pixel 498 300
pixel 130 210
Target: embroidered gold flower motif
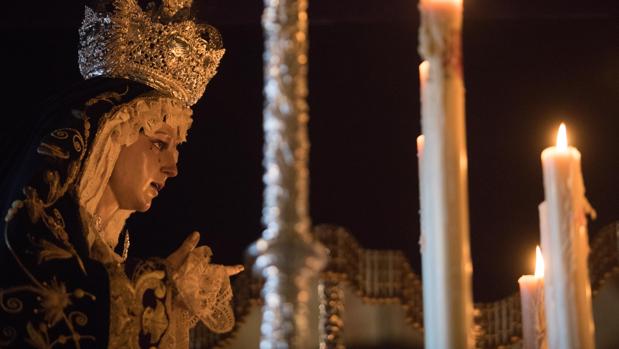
pixel 54 300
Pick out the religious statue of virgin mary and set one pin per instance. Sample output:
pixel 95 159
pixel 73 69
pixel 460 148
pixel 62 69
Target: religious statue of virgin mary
pixel 66 280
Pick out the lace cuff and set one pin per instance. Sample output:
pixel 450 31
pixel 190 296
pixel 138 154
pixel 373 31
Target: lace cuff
pixel 205 290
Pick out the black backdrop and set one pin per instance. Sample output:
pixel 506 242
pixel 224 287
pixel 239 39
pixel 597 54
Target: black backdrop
pixel 527 66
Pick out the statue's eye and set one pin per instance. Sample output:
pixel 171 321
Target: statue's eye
pixel 161 145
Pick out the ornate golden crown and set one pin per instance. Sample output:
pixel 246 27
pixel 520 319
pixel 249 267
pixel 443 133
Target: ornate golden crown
pixel 160 47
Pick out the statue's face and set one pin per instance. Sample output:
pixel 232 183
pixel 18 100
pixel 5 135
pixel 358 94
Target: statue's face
pixel 142 169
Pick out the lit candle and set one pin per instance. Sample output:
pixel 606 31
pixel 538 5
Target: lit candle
pixel 565 243
pixel 532 300
pixel 424 71
pixel 445 248
pixel 420 147
pixel 446 3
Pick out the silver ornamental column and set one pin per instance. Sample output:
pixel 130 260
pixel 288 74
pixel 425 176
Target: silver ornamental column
pixel 287 256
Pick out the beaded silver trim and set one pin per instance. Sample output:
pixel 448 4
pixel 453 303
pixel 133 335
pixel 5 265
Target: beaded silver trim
pixel 177 58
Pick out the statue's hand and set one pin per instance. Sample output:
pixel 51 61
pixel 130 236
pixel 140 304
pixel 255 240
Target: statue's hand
pixel 234 269
pixel 178 257
pixel 204 290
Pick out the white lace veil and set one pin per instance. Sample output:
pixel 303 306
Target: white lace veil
pixel 121 126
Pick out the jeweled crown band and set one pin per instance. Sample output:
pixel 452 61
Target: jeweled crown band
pixel 175 56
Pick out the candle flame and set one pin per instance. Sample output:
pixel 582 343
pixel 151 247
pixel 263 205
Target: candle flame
pixel 420 143
pixel 562 138
pixel 455 2
pixel 424 71
pixel 539 263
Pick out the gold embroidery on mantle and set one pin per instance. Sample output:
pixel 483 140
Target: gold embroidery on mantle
pixel 155 322
pixel 53 151
pixel 7 336
pixel 130 318
pixel 37 207
pixel 52 295
pixel 53 298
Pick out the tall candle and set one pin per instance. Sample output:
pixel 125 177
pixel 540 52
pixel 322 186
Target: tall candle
pixel 563 226
pixel 532 300
pixel 446 261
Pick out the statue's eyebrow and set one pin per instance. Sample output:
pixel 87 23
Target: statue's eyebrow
pixel 169 137
pixel 164 133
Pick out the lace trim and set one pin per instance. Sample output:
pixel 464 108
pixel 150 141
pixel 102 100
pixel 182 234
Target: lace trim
pixel 205 290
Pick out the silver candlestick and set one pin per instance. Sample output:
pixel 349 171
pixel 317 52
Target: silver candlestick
pixel 286 255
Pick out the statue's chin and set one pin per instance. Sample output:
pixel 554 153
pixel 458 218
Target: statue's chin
pixel 144 207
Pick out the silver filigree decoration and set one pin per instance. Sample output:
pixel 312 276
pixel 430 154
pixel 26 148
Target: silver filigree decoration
pixel 287 257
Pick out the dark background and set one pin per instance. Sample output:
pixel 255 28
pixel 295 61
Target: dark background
pixel 528 65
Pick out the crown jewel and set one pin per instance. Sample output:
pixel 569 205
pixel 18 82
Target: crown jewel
pixel 160 47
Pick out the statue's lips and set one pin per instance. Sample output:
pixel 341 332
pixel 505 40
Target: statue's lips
pixel 157 187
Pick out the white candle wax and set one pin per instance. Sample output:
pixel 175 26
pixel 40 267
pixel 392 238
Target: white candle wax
pixel 565 244
pixel 446 261
pixel 532 301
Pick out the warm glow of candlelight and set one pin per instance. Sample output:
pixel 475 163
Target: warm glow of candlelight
pixel 424 71
pixel 454 2
pixel 420 144
pixel 562 138
pixel 539 263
